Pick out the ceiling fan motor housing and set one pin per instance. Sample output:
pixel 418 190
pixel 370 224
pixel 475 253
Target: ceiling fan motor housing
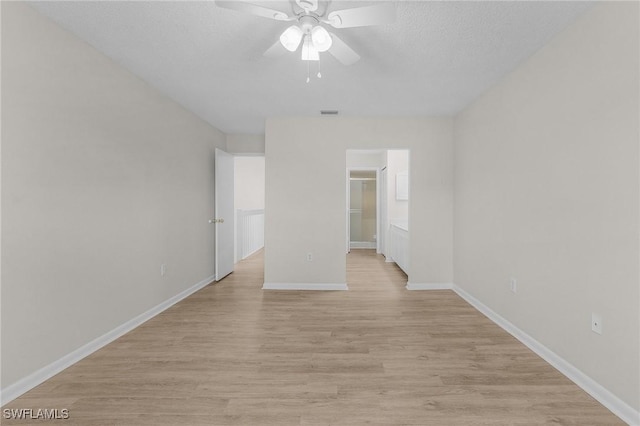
pixel 307 22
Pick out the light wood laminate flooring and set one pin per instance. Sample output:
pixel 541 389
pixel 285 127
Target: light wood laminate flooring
pixel 233 354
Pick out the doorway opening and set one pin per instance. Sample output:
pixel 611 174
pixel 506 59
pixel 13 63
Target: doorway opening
pixel 249 177
pixel 363 209
pixel 377 200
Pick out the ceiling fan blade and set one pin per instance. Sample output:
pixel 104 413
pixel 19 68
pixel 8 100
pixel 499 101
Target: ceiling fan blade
pixel 254 9
pixel 378 14
pixel 342 52
pixel 276 50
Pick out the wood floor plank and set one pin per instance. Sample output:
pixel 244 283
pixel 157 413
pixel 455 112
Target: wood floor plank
pixel 233 354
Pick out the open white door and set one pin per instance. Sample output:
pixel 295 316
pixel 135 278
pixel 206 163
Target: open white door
pixel 348 191
pixel 382 223
pixel 224 214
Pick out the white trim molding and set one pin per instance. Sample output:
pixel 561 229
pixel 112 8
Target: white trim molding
pixel 596 390
pixel 29 382
pixel 429 286
pixel 306 286
pixel 362 244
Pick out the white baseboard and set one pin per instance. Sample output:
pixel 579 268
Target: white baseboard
pixel 597 391
pixel 305 286
pixel 362 245
pixel 429 286
pixel 27 383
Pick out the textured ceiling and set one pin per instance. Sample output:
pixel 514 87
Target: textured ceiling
pixel 434 60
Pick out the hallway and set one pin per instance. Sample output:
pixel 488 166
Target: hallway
pixel 233 354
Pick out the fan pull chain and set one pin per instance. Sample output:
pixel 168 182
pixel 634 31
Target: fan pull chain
pixel 319 74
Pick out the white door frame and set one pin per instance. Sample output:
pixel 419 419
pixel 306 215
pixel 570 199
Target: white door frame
pixel 348 192
pixel 382 235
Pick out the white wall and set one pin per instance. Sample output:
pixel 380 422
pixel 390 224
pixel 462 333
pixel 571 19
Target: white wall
pixel 103 179
pixel 547 191
pixel 249 182
pixel 306 203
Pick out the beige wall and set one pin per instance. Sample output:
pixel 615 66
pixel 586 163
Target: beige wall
pixel 305 194
pixel 242 143
pixel 366 158
pixel 103 180
pixel 547 192
pixel 249 182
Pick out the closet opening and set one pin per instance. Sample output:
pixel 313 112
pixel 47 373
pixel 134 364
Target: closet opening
pixel 377 201
pixel 363 209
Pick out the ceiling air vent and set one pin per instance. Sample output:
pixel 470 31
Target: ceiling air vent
pixel 329 112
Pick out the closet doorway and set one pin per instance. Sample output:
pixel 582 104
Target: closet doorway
pixel 377 203
pixel 363 209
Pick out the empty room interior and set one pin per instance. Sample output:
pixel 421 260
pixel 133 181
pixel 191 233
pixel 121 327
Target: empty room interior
pixel 315 212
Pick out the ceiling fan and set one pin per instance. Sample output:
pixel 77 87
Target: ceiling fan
pixel 308 29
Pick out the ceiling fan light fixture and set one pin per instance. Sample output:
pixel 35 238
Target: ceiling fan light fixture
pixel 291 37
pixel 321 39
pixel 309 51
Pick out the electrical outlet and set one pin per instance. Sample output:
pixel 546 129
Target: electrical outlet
pixel 596 323
pixel 163 270
pixel 309 257
pixel 513 285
